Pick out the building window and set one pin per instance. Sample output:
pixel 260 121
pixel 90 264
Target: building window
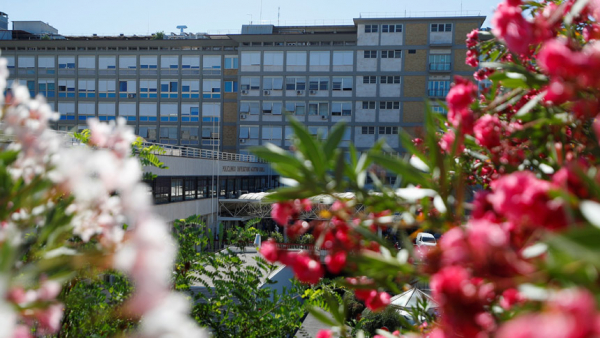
pixel 148 112
pixel 64 62
pixel 296 59
pixel 318 132
pixel 370 54
pixel 297 108
pixel 341 109
pixel 127 89
pixel 127 62
pixel 388 130
pixel 210 132
pixel 47 88
pixel 249 132
pixel 389 105
pixel 439 110
pixel 273 59
pixel 87 88
pixel 148 89
pixel 250 58
pixel 107 89
pixel 190 113
pixel 390 79
pixel 169 62
pixel 106 111
pixel 440 61
pixel 168 112
pixel 86 65
pixel 211 89
pixel 371 28
pixel 169 89
pixel 107 65
pixel 168 135
pixel 249 107
pixel 391 28
pixel 368 105
pixel 343 58
pixel 189 136
pixel 271 108
pixel 86 110
pixel 319 58
pixel 189 187
pixel 231 62
pixel 318 108
pixel 250 83
pixel 211 112
pixel 231 86
pixel 438 88
pixel 368 130
pixel 318 83
pixel 190 65
pixel 202 189
pixel 46 65
pixel 342 83
pixel 190 89
pixel 211 65
pixel 441 27
pixel 66 88
pixel 67 111
pixel 271 133
pixel 272 83
pixel 391 54
pixel 295 83
pixel 127 111
pixel 369 79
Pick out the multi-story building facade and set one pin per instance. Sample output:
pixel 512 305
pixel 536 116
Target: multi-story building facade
pixel 229 92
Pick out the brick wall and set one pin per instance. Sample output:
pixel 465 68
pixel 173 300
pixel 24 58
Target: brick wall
pixel 229 136
pixel 230 112
pixel 416 33
pixel 413 112
pixel 414 86
pixel 415 62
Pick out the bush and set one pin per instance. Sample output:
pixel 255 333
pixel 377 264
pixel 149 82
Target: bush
pixel 277 237
pixel 373 321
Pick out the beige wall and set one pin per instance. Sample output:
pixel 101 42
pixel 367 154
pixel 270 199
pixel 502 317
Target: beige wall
pixel 415 62
pixel 230 96
pixel 461 30
pixel 414 131
pixel 414 86
pixel 230 72
pixel 460 56
pixel 229 135
pixel 230 112
pixel 416 33
pixel 413 112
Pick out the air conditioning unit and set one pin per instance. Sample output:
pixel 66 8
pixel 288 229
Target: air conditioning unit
pixel 312 92
pixel 323 117
pixel 266 92
pixel 300 92
pixel 243 116
pixel 242 140
pixel 244 91
pixel 131 96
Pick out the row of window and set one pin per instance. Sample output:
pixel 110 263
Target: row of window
pixel 296 108
pixel 382 105
pixel 125 62
pixel 166 189
pixel 381 130
pixel 434 27
pixel 382 79
pixel 145 112
pixel 82 48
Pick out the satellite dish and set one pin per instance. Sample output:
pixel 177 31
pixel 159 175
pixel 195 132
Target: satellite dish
pixel 181 27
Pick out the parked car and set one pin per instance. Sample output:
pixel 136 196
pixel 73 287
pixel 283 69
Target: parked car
pixel 425 239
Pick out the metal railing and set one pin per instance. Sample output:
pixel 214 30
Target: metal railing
pixel 189 152
pixel 437 93
pixel 420 14
pixel 440 66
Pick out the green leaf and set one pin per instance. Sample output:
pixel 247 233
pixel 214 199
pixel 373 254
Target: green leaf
pixel 321 316
pixel 402 168
pixel 527 107
pixel 309 148
pixel 275 154
pixel 335 136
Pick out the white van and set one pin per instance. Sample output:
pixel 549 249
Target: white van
pixel 426 239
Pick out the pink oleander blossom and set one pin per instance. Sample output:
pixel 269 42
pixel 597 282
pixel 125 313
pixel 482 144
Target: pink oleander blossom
pixel 488 130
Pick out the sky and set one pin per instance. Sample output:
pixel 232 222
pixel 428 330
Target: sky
pixel 141 17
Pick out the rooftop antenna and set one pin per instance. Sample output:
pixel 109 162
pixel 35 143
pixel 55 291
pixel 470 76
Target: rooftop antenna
pixel 181 28
pixel 278 12
pixel 260 17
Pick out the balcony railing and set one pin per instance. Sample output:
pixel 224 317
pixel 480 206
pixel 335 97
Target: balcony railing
pixel 440 66
pixel 181 151
pixel 437 92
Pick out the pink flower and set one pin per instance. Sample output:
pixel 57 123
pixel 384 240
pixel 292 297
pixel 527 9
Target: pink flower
pixel 570 314
pixel 49 290
pixel 472 38
pixel 50 317
pixel 336 261
pixel 523 199
pixel 282 212
pixel 559 92
pixel 487 131
pixel 324 334
pixel 22 331
pixel 557 59
pixel 269 250
pixel 378 302
pixel 305 268
pixel 472 58
pixel 461 95
pixel 596 127
pixel 511 297
pixel 510 26
pixel 447 142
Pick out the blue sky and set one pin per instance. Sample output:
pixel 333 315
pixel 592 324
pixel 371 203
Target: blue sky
pixel 112 17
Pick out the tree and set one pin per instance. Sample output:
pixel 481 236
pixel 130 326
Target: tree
pixel 509 176
pixel 158 35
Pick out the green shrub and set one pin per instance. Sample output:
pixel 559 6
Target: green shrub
pixel 373 321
